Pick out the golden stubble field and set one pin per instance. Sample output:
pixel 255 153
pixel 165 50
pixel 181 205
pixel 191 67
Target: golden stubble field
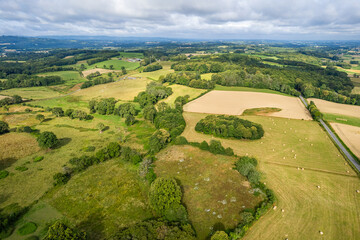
pixel 234 103
pixel 336 108
pixel 314 186
pixel 350 136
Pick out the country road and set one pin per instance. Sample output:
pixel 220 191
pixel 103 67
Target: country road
pixel 336 140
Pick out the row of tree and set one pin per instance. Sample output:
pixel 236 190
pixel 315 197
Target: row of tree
pixel 10 100
pixel 191 79
pixel 20 81
pixel 153 93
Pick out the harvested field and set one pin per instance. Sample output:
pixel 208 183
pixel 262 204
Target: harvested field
pixel 11 150
pixel 350 135
pixel 122 90
pixel 213 191
pixel 100 70
pixel 234 103
pixel 338 108
pixel 288 146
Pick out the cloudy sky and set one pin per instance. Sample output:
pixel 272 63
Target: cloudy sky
pixel 225 19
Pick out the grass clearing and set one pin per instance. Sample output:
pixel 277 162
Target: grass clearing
pixel 117 65
pixel 288 146
pixel 11 150
pixel 32 92
pixel 155 75
pixel 356 90
pixel 207 76
pixel 214 193
pixel 180 90
pixel 125 90
pixel 103 199
pixel 338 118
pixel 71 77
pixel 65 102
pixel 247 89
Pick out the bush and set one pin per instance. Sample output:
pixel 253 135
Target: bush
pixel 27 228
pixel 216 147
pixel 229 151
pixel 4 127
pixel 158 140
pixel 61 178
pixel 21 168
pixel 3 174
pixel 47 140
pixel 38 158
pixel 164 194
pixel 176 214
pixel 130 120
pixel 61 231
pixel 229 126
pixel 220 235
pixel 204 146
pixel 130 155
pixel 180 140
pixel 253 176
pixel 58 111
pixel 89 149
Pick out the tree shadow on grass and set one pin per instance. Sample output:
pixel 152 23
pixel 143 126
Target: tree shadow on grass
pixel 93 225
pixel 62 142
pixel 47 120
pixel 7 162
pixel 219 226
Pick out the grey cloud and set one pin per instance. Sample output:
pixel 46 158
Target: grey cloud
pixel 196 18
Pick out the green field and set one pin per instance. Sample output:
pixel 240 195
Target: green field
pixel 70 77
pixel 117 64
pixel 338 118
pixel 207 180
pixel 32 92
pixel 286 148
pixel 103 199
pixel 246 89
pixel 155 75
pixel 180 90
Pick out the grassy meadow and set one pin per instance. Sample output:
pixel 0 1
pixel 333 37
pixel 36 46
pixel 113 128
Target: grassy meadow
pixel 117 64
pixel 155 75
pixel 287 147
pixel 344 119
pixel 214 193
pixel 32 92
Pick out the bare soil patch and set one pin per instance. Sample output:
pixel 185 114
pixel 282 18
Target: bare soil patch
pixel 350 136
pixel 234 103
pixel 2 97
pixel 338 108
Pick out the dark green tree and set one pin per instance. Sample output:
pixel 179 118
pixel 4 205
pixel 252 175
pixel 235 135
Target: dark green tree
pixel 4 127
pixel 47 140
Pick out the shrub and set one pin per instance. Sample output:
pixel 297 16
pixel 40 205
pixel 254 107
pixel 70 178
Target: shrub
pixel 69 112
pixel 61 178
pixel 3 174
pixel 89 149
pixel 38 158
pixel 204 146
pixel 4 127
pixel 27 228
pixel 21 168
pixel 164 194
pixel 220 235
pixel 176 214
pixel 58 111
pixel 253 176
pixel 180 140
pixel 171 120
pixel 114 149
pixel 47 140
pixel 158 140
pixel 59 231
pixel 130 155
pixel 130 120
pixel 229 151
pixel 216 147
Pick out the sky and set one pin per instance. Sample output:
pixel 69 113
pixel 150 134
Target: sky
pixel 201 19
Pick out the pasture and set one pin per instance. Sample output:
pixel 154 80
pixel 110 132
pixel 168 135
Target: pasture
pixel 343 119
pixel 117 64
pixel 103 199
pixel 295 157
pixel 155 75
pixel 234 103
pixel 32 92
pixel 180 90
pixel 336 108
pixel 125 89
pixel 350 135
pixel 214 193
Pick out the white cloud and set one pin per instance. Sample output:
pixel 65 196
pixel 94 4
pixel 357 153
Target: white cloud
pixel 183 18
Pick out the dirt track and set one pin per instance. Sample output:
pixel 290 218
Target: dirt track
pixel 234 103
pixel 336 108
pixel 350 136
